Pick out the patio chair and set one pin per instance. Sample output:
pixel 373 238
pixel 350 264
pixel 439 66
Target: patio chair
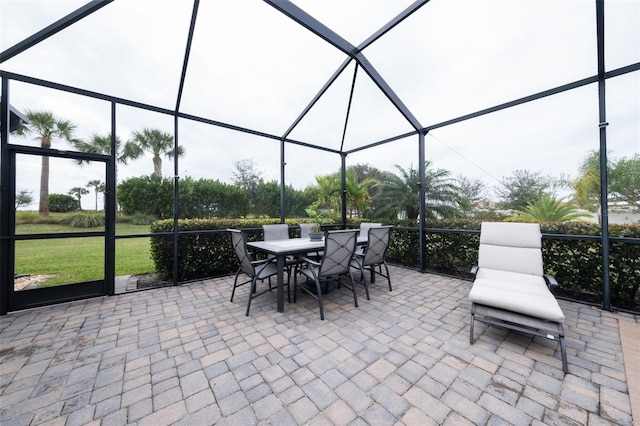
pixel 278 231
pixel 374 256
pixel 254 269
pixel 510 289
pixel 274 232
pixel 339 247
pixel 365 226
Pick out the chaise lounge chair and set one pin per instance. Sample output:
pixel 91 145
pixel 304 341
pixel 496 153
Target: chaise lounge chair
pixel 510 289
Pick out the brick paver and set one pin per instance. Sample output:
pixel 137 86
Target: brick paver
pixel 186 355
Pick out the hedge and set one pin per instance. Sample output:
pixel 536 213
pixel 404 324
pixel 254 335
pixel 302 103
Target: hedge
pixel 575 263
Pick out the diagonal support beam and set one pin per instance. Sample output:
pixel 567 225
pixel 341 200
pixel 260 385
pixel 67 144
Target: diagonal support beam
pixel 324 32
pixel 388 92
pixel 52 29
pixel 317 97
pixel 391 24
pixel 312 24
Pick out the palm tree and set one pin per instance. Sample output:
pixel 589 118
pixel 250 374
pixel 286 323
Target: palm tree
pixel 328 194
pixel 46 127
pixel 158 143
pixel 78 192
pixel 357 192
pixel 550 209
pixel 400 193
pixel 587 186
pixel 101 144
pixel 98 187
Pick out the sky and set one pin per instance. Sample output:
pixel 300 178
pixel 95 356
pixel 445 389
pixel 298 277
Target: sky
pixel 253 67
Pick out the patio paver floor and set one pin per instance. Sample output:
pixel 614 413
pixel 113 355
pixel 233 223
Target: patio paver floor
pixel 186 355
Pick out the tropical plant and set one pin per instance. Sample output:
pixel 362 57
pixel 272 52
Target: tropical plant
pixel 158 143
pixel 399 195
pixel 98 187
pixel 623 182
pixel 78 192
pixel 45 128
pixel 587 185
pixel 357 192
pixel 328 198
pixel 101 144
pixel 83 220
pixel 550 209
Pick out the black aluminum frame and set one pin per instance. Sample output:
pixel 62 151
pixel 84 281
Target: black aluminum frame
pixel 354 53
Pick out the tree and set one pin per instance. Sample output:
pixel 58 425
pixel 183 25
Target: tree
pixel 45 128
pixel 98 187
pixel 400 194
pixel 78 192
pixel 101 144
pixel 23 198
pixel 328 194
pixel 625 181
pixel 158 143
pixel 523 188
pixel 357 192
pixel 550 209
pixel 471 193
pixel 247 177
pixel 587 185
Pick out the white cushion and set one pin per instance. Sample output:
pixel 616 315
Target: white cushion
pixel 513 247
pixel 525 294
pixel 511 234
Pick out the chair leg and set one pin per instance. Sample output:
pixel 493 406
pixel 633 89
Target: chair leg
pixel 295 285
pixel 235 282
pixel 253 290
pixel 289 287
pixel 471 328
pixel 353 289
pixel 388 275
pixel 319 291
pixel 363 281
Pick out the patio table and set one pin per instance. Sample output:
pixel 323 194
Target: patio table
pixel 280 249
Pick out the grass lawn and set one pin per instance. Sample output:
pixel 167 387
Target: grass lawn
pixel 73 260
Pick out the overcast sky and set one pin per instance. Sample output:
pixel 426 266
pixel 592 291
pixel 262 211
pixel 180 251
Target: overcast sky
pixel 251 66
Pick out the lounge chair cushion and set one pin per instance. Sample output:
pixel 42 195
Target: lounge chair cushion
pixel 523 293
pixel 517 251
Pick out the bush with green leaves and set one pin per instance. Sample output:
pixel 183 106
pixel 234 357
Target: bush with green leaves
pixel 84 220
pixel 63 203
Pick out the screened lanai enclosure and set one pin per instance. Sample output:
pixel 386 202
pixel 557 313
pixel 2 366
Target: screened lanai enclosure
pixel 301 89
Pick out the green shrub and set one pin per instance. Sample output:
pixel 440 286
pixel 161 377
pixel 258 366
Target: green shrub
pixel 36 218
pixel 84 220
pixel 63 203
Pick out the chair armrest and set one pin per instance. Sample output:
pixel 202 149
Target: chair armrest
pixel 474 270
pixel 307 260
pixel 261 261
pixel 551 281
